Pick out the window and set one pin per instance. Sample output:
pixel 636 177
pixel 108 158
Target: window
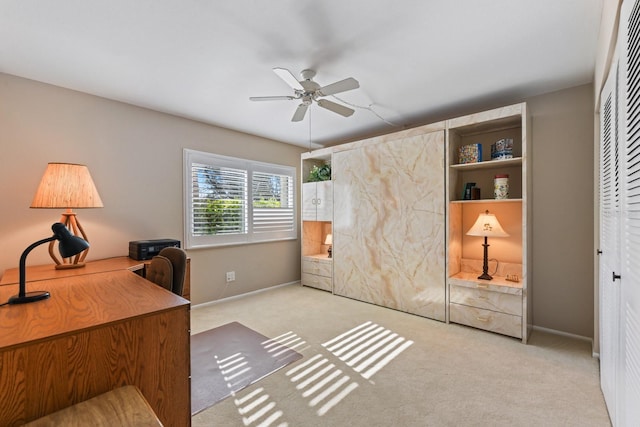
pixel 232 201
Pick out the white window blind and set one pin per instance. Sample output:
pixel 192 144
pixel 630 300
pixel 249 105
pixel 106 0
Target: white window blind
pixel 233 201
pixel 273 208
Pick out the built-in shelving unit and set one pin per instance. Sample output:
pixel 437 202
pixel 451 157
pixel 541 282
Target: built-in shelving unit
pixel 498 305
pixel 317 220
pixel 388 216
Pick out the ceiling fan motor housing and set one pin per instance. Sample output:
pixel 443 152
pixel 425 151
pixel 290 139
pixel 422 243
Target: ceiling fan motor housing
pixel 307 74
pixel 308 91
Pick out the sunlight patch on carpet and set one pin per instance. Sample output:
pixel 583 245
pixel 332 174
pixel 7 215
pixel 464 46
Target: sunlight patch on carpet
pixel 367 348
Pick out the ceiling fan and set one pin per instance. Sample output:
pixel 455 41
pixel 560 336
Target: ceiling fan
pixel 308 91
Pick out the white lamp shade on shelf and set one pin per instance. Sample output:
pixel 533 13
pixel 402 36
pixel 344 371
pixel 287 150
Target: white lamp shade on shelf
pixel 328 240
pixel 487 225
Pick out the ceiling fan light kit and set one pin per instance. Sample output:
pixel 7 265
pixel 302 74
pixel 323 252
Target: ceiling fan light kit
pixel 308 91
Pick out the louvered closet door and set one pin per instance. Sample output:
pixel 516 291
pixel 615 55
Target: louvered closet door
pixel 609 242
pixel 629 360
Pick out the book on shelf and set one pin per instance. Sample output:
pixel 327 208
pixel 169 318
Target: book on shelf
pixel 468 189
pixel 470 153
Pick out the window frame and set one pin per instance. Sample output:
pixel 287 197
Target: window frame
pixel 191 241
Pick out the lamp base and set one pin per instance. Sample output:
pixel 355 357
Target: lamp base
pixel 485 276
pixel 68 266
pixel 29 297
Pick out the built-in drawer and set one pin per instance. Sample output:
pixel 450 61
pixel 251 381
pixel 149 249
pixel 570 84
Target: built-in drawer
pixel 486 299
pixel 321 267
pixel 315 281
pixel 493 321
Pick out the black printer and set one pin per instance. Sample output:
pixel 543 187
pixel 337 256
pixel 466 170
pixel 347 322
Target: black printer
pixel 147 249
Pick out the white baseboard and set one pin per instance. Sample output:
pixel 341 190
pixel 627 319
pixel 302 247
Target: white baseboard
pixel 566 334
pixel 218 301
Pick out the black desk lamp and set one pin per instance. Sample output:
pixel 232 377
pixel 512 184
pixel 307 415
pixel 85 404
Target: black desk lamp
pixel 69 246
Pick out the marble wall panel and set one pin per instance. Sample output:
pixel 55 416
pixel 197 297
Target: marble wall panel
pixel 356 235
pixel 389 224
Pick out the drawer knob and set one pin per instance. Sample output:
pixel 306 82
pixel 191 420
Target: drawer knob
pixel 482 319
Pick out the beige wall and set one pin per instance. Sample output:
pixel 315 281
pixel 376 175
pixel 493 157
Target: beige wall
pixel 135 158
pixel 563 198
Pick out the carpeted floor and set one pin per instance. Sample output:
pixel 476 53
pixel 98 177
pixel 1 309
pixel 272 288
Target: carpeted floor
pixel 365 365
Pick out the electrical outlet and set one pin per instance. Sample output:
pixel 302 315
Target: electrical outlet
pixel 231 276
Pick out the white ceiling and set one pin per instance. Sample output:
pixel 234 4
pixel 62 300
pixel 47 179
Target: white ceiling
pixel 416 60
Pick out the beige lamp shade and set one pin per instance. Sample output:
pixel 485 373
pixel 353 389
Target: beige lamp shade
pixel 487 225
pixel 328 240
pixel 66 185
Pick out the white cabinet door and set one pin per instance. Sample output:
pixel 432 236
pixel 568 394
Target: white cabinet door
pixel 317 201
pixel 309 201
pixel 324 201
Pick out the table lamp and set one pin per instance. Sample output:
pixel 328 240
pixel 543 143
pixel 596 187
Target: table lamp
pixel 486 225
pixel 69 246
pixel 329 241
pixel 67 186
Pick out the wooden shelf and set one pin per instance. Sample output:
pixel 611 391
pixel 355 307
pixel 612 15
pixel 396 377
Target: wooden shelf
pixel 490 164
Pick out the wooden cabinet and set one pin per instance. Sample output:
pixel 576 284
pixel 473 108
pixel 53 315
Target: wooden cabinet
pixel 97 332
pixel 317 272
pixel 317 201
pixel 497 305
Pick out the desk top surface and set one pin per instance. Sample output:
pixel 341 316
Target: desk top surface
pixel 80 302
pixel 48 271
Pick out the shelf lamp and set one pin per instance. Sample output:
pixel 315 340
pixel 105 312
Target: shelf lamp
pixel 67 186
pixel 329 241
pixel 69 246
pixel 486 225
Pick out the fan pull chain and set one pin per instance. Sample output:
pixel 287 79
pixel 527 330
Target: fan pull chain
pixel 310 129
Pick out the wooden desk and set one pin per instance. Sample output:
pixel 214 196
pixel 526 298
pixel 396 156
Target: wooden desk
pixel 48 271
pixel 97 332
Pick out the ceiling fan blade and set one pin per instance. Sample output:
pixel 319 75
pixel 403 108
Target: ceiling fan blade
pixel 337 87
pixel 288 78
pixel 300 112
pixel 336 108
pixel 271 98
